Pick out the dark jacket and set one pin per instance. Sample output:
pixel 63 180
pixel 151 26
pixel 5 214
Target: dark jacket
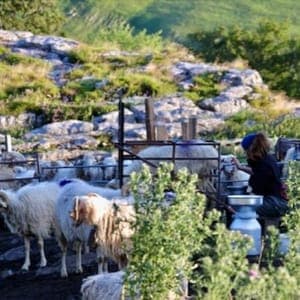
pixel 265 179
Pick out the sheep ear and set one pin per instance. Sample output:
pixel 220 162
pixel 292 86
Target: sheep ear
pixel 3 199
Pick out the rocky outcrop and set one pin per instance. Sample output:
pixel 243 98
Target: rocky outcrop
pixel 73 136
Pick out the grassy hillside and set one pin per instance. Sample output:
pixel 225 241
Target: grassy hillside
pixel 175 18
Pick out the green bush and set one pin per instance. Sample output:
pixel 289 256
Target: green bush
pixel 37 16
pixel 180 240
pixel 166 236
pixel 269 49
pixel 141 84
pixel 204 86
pixel 82 91
pixel 247 121
pixel 117 31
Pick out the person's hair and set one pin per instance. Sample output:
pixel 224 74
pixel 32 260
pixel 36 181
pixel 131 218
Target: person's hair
pixel 259 147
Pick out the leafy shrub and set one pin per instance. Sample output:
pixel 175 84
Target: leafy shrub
pixel 38 16
pixel 204 86
pixel 166 236
pixel 81 91
pixel 247 121
pixel 269 49
pixel 117 31
pixel 141 84
pixel 181 241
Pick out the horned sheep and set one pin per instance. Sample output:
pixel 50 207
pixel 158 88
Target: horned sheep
pixel 30 211
pixel 66 232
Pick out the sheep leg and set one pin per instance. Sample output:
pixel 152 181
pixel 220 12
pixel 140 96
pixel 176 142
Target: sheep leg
pixel 102 262
pixel 78 257
pixel 86 248
pixel 43 261
pixel 63 246
pixel 122 262
pixel 27 254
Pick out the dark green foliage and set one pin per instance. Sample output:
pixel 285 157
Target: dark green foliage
pixel 220 45
pixel 293 182
pixel 268 49
pixel 180 241
pixel 166 235
pixel 38 16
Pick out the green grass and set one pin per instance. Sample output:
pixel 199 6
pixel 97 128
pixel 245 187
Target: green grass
pixel 176 18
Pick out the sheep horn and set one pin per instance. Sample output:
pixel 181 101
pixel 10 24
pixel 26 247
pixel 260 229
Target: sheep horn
pixel 74 212
pixel 76 208
pixel 3 199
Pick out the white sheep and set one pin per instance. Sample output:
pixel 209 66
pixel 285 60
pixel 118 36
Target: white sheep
pixel 91 170
pixel 30 211
pixel 57 170
pixel 113 221
pixel 109 167
pixel 66 232
pixel 230 174
pixel 197 156
pixel 7 176
pixel 9 171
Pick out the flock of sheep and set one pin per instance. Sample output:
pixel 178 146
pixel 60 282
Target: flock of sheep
pixel 73 209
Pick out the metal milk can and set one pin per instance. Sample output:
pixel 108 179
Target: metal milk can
pixel 244 220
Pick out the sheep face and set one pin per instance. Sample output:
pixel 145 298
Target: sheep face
pixel 84 209
pixel 5 211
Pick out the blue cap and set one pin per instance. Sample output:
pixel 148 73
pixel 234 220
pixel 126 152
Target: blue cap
pixel 247 140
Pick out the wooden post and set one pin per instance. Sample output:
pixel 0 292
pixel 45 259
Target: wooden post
pixel 192 127
pixel 184 129
pixel 161 132
pixel 8 147
pixel 121 142
pixel 150 128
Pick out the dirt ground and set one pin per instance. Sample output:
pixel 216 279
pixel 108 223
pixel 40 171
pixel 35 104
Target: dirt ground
pixel 39 283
